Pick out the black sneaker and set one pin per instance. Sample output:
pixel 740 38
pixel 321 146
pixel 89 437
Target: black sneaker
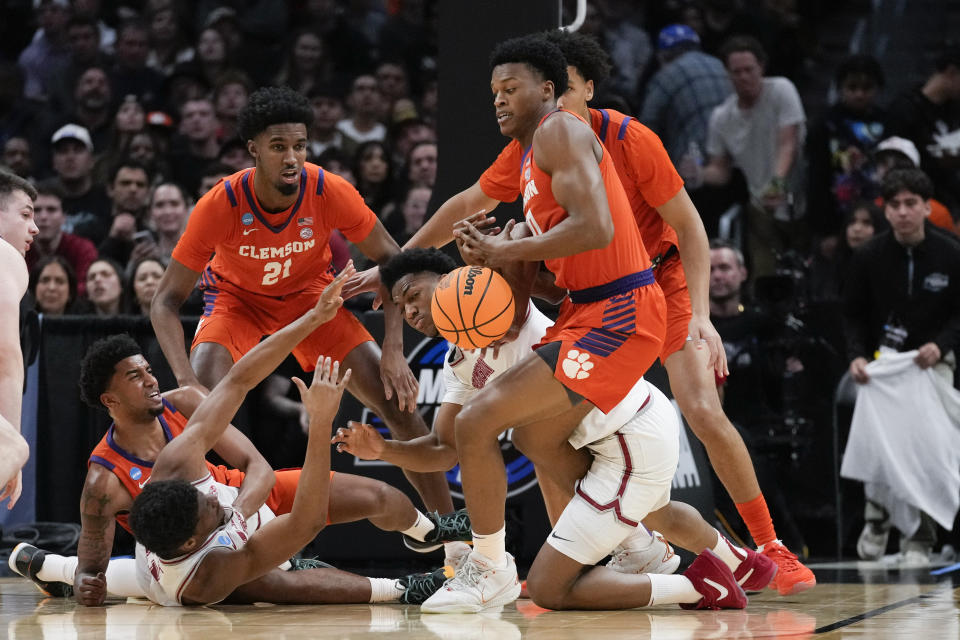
pixel 450 527
pixel 299 564
pixel 27 560
pixel 420 586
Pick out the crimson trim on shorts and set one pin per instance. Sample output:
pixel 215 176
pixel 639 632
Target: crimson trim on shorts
pixel 624 479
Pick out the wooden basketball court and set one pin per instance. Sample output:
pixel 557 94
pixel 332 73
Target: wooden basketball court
pixel 860 600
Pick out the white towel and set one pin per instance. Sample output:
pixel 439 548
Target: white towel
pixel 905 442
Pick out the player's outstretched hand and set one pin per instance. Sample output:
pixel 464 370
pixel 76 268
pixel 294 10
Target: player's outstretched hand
pixel 483 222
pixel 330 300
pixel 322 398
pixel 359 439
pixel 701 330
pixel 362 282
pixel 90 590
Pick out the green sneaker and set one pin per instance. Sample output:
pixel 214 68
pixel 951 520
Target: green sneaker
pixel 450 527
pixel 420 586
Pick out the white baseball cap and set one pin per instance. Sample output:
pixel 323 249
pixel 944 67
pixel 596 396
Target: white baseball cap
pixel 73 132
pixel 904 146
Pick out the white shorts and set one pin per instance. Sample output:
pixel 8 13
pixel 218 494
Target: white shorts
pixel 630 477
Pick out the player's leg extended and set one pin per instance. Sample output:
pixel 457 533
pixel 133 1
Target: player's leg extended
pixel 310 586
pixel 367 387
pixel 354 498
pixel 694 389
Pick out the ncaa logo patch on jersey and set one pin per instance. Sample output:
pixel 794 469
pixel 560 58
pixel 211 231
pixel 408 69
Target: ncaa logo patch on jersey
pixel 135 473
pixel 247 219
pixel 223 539
pixel 306 233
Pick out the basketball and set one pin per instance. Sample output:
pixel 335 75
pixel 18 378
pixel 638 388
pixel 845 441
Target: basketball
pixel 472 306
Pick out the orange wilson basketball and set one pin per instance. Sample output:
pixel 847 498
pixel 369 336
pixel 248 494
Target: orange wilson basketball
pixel 472 307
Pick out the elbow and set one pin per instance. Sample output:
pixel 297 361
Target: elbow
pixel 603 235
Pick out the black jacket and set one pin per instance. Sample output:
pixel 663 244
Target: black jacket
pixel 877 292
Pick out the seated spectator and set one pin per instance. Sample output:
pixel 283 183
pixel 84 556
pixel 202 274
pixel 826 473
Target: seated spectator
pixel 336 162
pixel 47 51
pixel 83 43
pixel 407 219
pixel 211 55
pixel 422 165
pixel 105 287
pixel 93 96
pixel 17 157
pixel 144 148
pixel 230 93
pixel 305 66
pixel 130 73
pixel 900 153
pixel 53 285
pixel 366 104
pixel 234 154
pixel 198 144
pixel 53 240
pixel 901 295
pixel 860 224
pixel 840 150
pixel 211 175
pixel 130 119
pixel 371 167
pixel 327 105
pixel 169 209
pixel 145 274
pixel 405 135
pixel 85 202
pixel 168 44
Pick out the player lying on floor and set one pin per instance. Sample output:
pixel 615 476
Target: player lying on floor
pixel 634 451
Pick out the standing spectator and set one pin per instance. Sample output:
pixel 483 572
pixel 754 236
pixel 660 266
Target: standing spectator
pixel 840 150
pixel 53 285
pixel 760 130
pixel 422 165
pixel 85 202
pixel 929 115
pixel 128 189
pixel 130 74
pixel 93 101
pixel 198 126
pixel 17 157
pixel 903 293
pixel 105 287
pixel 323 134
pixel 230 93
pixel 366 105
pixel 683 93
pixel 48 51
pixel 53 240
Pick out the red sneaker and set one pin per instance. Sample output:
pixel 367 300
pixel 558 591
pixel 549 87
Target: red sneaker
pixel 792 577
pixel 713 579
pixel 756 572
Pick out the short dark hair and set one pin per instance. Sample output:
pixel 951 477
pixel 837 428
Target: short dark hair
pixel 215 168
pixel 584 53
pixel 912 180
pixel 164 516
pixel 10 182
pixel 99 365
pixel 736 44
pixel 128 163
pixel 859 65
pixel 50 188
pixel 232 76
pixel 415 261
pixel 272 105
pixel 543 57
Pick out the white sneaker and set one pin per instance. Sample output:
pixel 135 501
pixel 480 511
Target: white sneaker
pixel 872 543
pixel 456 555
pixel 477 586
pixel 657 558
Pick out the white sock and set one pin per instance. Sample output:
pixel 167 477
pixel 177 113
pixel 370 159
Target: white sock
pixel 384 589
pixel 420 528
pixel 672 590
pixel 122 578
pixel 58 568
pixel 639 539
pixel 492 545
pixel 731 554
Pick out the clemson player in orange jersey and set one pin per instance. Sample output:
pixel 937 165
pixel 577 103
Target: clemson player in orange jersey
pixel 267 229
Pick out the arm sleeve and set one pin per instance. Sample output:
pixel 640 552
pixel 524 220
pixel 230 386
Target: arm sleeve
pixel 650 166
pixel 350 213
pixel 501 180
pixel 789 107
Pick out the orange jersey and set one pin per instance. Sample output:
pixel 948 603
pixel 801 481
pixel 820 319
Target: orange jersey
pixel 621 258
pixel 133 472
pixel 645 170
pixel 273 254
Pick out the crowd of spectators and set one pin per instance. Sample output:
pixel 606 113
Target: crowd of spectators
pixel 124 115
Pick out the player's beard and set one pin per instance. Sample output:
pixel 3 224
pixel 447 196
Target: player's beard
pixel 287 189
pixel 156 413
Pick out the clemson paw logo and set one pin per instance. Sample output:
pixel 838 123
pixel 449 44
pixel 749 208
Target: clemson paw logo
pixel 577 365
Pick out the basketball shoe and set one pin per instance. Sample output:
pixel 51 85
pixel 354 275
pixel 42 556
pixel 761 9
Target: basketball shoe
pixel 26 560
pixel 301 564
pixel 449 527
pixel 755 571
pixel 477 586
pixel 872 543
pixel 712 579
pixel 792 576
pixel 656 558
pixel 420 586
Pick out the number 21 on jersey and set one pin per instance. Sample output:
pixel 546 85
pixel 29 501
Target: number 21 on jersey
pixel 274 271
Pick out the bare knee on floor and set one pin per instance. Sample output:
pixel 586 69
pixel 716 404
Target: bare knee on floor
pixel 545 592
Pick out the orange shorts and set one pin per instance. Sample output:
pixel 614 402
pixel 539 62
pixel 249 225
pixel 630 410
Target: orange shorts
pixel 238 320
pixel 281 496
pixel 607 345
pixel 672 280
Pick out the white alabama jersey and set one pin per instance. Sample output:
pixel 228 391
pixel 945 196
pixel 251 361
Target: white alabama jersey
pixel 165 580
pixel 466 372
